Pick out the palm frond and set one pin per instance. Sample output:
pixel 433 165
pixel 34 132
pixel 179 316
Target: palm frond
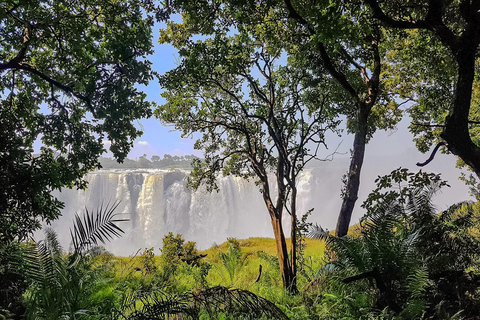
pixel 213 300
pixel 317 232
pixel 94 227
pixel 58 286
pixel 44 259
pixel 51 244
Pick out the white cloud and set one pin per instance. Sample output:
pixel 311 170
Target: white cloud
pixel 142 143
pixel 106 142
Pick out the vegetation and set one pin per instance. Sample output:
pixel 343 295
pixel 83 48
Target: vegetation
pixel 155 162
pixel 262 82
pixel 69 74
pixel 417 262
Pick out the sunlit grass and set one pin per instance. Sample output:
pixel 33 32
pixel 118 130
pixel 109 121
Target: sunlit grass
pixel 314 247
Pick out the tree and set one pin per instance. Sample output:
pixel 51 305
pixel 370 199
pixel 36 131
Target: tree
pixel 340 39
pixel 258 118
pixel 69 72
pixel 455 25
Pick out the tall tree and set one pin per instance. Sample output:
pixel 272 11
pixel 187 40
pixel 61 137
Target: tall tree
pixel 69 71
pixel 258 117
pixel 337 36
pixel 455 26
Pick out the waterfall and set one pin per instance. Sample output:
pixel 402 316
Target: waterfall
pixel 157 202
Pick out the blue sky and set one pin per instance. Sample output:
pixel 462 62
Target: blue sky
pixel 385 152
pixel 158 139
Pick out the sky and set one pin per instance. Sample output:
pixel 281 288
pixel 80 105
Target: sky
pixel 159 139
pixel 386 151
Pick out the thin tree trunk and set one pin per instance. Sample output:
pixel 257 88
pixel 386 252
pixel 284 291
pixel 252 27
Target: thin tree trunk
pixel 280 242
pixel 293 238
pixel 353 176
pixel 282 254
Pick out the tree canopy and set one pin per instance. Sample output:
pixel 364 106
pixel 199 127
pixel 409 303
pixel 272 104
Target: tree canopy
pixel 259 117
pixel 69 72
pixel 444 76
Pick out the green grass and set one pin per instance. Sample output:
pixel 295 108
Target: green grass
pixel 314 247
pixel 126 275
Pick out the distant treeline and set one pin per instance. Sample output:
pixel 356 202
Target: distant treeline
pixel 155 162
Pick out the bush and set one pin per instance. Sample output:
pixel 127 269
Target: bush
pixel 414 260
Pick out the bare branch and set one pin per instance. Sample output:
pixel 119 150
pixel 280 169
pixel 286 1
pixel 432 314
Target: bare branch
pixel 428 125
pixel 421 164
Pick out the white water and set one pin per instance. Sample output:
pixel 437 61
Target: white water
pixel 157 202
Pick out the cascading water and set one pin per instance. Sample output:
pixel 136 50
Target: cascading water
pixel 157 202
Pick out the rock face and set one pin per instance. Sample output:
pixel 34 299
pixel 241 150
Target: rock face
pixel 157 202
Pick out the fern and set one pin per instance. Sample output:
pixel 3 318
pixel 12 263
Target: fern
pixel 215 300
pixel 59 283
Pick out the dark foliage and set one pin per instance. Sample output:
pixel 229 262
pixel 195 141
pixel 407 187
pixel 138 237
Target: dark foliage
pixel 69 72
pixel 12 283
pixel 419 262
pixel 215 300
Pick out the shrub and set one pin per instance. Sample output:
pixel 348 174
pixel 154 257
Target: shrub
pixel 414 259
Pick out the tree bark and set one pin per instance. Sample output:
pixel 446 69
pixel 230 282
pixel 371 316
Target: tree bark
pixel 288 277
pixel 353 176
pixel 293 238
pixel 282 254
pixel 456 132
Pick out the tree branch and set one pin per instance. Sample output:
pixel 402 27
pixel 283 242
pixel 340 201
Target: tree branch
pixel 327 61
pixel 421 164
pixel 428 125
pixel 433 21
pixel 401 24
pixel 65 88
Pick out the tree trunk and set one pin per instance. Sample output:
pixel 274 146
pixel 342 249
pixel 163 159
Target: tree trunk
pixel 288 277
pixel 353 177
pixel 282 254
pixel 456 132
pixel 293 238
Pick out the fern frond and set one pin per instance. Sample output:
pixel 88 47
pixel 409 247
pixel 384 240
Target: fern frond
pixel 159 305
pixel 418 282
pixel 317 232
pixel 94 227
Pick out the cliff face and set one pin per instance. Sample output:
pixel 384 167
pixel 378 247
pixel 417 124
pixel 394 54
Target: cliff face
pixel 158 202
